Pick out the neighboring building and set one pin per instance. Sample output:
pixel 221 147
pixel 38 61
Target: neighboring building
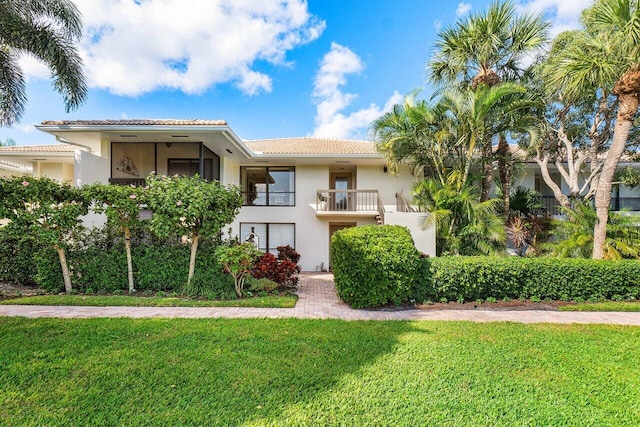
pixel 296 191
pixel 54 161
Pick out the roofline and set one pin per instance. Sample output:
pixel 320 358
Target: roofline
pixel 37 153
pixel 317 156
pixel 224 129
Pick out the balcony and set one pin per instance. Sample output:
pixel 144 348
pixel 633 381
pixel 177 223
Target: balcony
pixel 348 203
pixel 550 204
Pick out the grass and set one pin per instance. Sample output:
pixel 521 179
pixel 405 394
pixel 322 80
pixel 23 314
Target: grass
pixel 603 306
pixel 133 301
pixel 255 372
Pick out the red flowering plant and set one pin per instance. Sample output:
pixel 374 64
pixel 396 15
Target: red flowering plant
pixel 283 270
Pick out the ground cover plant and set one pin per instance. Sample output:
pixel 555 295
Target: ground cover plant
pixel 603 306
pixel 315 372
pixel 150 301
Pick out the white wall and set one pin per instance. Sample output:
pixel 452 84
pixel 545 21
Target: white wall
pixel 312 232
pixel 373 177
pixel 90 168
pixel 425 240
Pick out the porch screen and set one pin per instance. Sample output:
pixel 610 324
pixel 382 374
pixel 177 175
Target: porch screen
pixel 270 235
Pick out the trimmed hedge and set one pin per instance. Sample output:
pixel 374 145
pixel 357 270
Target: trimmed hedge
pixel 474 278
pixel 16 259
pixel 374 265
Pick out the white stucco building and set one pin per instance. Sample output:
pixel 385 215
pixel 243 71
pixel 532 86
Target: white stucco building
pixel 297 191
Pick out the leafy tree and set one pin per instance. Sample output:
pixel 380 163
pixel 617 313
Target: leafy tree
pixel 48 30
pixel 121 204
pixel 191 207
pixel 605 55
pixel 238 260
pixel 464 224
pixel 45 208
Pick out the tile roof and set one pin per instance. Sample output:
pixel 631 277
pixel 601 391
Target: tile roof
pixel 54 148
pixel 12 165
pixel 136 122
pixel 311 145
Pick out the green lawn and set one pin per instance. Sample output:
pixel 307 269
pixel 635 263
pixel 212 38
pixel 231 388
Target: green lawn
pixel 255 372
pixel 131 301
pixel 603 306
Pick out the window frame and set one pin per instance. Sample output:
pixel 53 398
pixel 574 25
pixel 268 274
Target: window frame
pixel 244 191
pixel 267 227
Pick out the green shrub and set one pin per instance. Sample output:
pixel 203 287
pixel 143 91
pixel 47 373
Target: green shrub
pixel 373 265
pixel 17 258
pixel 210 282
pixel 474 278
pixel 260 285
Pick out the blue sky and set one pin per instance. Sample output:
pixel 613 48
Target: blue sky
pixel 271 69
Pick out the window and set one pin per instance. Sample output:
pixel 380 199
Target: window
pixel 268 186
pixel 270 236
pixel 190 167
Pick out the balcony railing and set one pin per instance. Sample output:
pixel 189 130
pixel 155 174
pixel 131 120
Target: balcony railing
pixel 551 205
pixel 347 200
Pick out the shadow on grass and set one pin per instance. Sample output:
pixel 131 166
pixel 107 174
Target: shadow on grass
pixel 187 372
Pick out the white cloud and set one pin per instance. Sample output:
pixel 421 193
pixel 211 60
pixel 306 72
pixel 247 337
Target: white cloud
pixel 463 9
pixel 564 15
pixel 133 47
pixel 437 24
pixel 330 100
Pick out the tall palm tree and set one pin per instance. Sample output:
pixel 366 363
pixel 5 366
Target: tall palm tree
pixel 605 54
pixel 484 50
pixel 487 48
pixel 48 30
pixel 418 134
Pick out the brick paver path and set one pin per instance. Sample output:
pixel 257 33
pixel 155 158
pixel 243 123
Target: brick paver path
pixel 318 300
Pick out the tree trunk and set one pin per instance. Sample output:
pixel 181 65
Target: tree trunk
pixel 557 191
pixel 127 247
pixel 626 112
pixel 504 170
pixel 62 255
pixel 487 170
pixel 192 259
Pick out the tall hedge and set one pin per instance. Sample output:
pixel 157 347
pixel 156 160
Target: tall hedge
pixel 473 278
pixel 374 265
pixel 156 268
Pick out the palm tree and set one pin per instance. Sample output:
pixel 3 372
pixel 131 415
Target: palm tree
pixel 464 225
pixel 46 29
pixel 484 50
pixel 605 54
pixel 487 48
pixel 574 238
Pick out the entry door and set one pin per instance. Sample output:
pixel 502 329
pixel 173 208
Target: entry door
pixel 342 201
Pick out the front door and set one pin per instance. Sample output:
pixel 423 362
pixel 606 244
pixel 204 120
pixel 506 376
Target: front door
pixel 341 200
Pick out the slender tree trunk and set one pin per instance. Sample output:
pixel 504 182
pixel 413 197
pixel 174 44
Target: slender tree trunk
pixel 62 255
pixel 557 191
pixel 192 259
pixel 504 170
pixel 487 170
pixel 626 112
pixel 127 247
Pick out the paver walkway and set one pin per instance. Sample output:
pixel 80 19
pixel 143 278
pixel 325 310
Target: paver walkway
pixel 318 300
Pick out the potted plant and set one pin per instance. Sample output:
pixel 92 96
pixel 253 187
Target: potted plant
pixel 323 201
